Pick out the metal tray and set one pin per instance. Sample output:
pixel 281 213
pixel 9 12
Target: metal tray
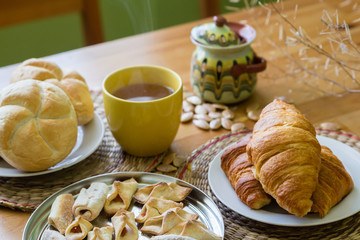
pixel 197 202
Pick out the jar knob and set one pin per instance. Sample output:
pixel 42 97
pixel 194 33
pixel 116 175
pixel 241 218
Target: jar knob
pixel 219 21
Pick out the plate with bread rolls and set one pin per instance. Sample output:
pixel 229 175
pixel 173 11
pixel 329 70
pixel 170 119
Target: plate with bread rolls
pixel 282 173
pixel 47 120
pixel 88 139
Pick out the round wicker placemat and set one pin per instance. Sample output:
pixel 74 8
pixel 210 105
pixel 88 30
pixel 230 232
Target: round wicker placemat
pixel 240 227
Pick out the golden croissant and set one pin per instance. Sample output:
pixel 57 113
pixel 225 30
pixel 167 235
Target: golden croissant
pixel 286 156
pixel 235 164
pixel 334 183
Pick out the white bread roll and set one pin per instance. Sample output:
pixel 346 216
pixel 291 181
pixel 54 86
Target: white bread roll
pixel 38 125
pixel 72 83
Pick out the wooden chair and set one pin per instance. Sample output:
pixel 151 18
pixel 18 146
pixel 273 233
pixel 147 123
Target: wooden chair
pixel 21 11
pixel 209 8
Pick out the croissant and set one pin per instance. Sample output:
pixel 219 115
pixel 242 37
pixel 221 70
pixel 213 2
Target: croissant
pixel 235 164
pixel 334 183
pixel 286 156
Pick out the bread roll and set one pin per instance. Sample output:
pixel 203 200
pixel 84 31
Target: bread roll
pixel 72 83
pixel 38 126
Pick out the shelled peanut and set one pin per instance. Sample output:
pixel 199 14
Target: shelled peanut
pixel 332 126
pixel 213 116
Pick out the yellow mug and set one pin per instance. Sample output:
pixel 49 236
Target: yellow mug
pixel 143 128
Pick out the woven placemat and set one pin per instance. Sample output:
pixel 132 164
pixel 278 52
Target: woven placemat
pixel 240 227
pixel 26 193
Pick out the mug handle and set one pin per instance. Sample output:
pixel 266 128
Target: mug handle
pixel 258 65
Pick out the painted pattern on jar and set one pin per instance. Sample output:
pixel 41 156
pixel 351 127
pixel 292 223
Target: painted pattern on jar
pixel 224 73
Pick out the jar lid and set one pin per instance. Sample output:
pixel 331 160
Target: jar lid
pixel 215 33
pixel 221 33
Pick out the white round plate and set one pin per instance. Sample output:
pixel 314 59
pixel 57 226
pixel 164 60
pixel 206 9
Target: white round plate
pixel 88 139
pixel 273 214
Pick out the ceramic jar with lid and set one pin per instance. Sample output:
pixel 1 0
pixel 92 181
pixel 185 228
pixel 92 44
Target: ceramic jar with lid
pixel 224 67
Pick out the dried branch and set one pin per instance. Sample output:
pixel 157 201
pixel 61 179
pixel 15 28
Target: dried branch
pixel 335 66
pixel 306 41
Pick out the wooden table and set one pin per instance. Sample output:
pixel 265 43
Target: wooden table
pixel 172 48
